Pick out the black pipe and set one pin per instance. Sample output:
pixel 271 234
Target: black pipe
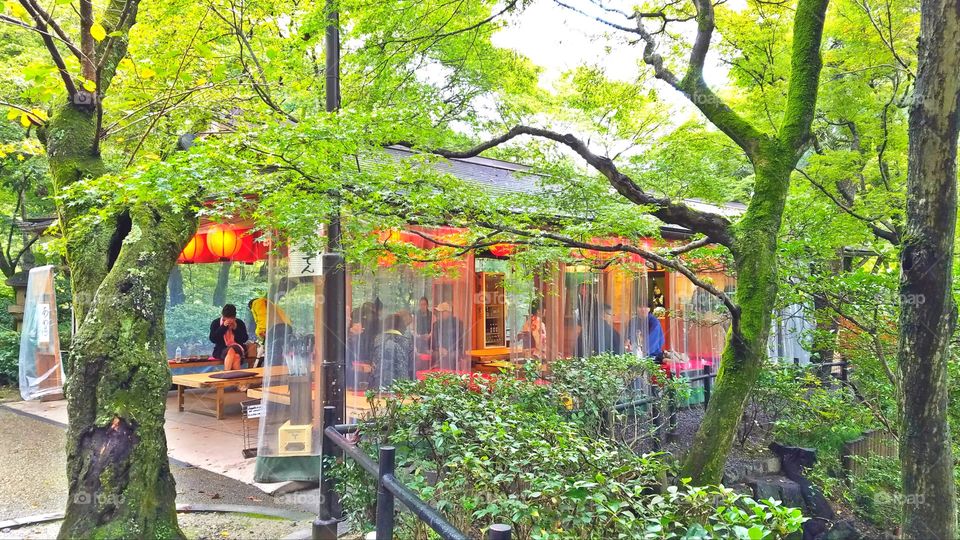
pixel 334 271
pixel 385 504
pixel 325 526
pixel 428 515
pixel 498 531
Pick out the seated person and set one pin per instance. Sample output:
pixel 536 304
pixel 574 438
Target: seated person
pixel 392 354
pixel 260 307
pixel 228 334
pixel 603 338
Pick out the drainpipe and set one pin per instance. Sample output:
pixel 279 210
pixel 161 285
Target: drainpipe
pixel 334 303
pixel 334 271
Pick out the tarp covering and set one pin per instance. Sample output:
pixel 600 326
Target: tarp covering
pixel 41 371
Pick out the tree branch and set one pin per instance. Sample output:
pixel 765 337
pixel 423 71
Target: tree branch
pixel 891 236
pixel 715 226
pixel 51 46
pixel 805 65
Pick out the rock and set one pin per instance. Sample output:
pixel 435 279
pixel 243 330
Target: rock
pixel 771 465
pixel 842 530
pixel 779 488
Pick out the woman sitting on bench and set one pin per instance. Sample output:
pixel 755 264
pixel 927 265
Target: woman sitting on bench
pixel 228 334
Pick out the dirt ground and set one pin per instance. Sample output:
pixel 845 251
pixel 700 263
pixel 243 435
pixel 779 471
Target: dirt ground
pixel 33 481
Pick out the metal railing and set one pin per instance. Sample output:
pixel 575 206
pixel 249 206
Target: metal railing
pixel 389 490
pixel 666 423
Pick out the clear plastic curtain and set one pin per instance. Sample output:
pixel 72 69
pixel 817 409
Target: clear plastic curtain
pixel 289 432
pixel 698 320
pixel 568 310
pixel 41 371
pixel 791 331
pixel 406 322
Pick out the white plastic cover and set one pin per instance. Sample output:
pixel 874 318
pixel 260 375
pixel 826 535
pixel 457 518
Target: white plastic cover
pixel 41 371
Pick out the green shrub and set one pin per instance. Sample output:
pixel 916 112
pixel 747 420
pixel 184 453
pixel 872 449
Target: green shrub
pixel 507 450
pixel 9 357
pixel 188 326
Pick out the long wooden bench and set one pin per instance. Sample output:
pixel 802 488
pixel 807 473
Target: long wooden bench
pixel 204 380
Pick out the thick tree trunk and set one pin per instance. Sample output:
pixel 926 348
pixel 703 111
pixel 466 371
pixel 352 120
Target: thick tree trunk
pixel 119 477
pixel 70 138
pixel 223 280
pixel 755 261
pixel 117 468
pixel 928 313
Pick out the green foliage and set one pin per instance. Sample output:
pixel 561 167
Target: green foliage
pixel 507 450
pixel 819 416
pixel 9 357
pixel 875 493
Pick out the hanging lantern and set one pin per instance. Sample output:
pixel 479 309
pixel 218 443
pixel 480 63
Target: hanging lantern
pixel 192 251
pixel 502 250
pixel 223 242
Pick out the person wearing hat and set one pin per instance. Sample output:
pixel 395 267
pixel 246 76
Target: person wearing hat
pixel 447 338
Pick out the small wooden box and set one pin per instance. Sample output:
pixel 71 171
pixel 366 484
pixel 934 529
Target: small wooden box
pixel 295 440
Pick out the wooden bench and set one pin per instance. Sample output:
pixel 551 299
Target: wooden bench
pixel 204 380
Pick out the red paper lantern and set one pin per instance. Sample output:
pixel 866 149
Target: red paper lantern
pixel 502 250
pixel 223 242
pixel 193 250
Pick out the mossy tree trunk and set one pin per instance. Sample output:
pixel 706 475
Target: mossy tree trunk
pixel 928 311
pixel 120 483
pixel 118 472
pixel 755 261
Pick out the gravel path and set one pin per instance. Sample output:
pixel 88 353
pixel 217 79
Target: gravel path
pixel 33 481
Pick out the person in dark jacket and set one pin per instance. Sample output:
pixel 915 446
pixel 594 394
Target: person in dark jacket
pixel 392 354
pixel 228 331
pixel 606 340
pixel 447 338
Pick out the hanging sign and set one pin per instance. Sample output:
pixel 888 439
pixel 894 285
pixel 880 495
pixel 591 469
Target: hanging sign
pixel 302 263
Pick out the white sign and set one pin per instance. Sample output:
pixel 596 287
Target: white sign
pixel 255 411
pixel 43 324
pixel 302 263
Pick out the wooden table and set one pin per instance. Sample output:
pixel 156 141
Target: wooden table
pixel 493 367
pixel 356 403
pixel 493 353
pixel 204 380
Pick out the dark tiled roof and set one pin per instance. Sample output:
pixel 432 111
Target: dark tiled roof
pixel 498 176
pixel 504 177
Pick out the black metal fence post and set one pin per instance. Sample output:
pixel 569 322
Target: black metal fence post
pixel 844 373
pixel 325 526
pixel 498 531
pixel 707 384
pixel 672 418
pixel 385 503
pixel 657 415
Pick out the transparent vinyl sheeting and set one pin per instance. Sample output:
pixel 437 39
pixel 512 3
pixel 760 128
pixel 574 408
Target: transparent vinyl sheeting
pixel 476 313
pixel 41 371
pixel 289 440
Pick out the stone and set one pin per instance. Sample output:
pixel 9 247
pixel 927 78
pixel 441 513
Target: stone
pixel 765 488
pixel 842 530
